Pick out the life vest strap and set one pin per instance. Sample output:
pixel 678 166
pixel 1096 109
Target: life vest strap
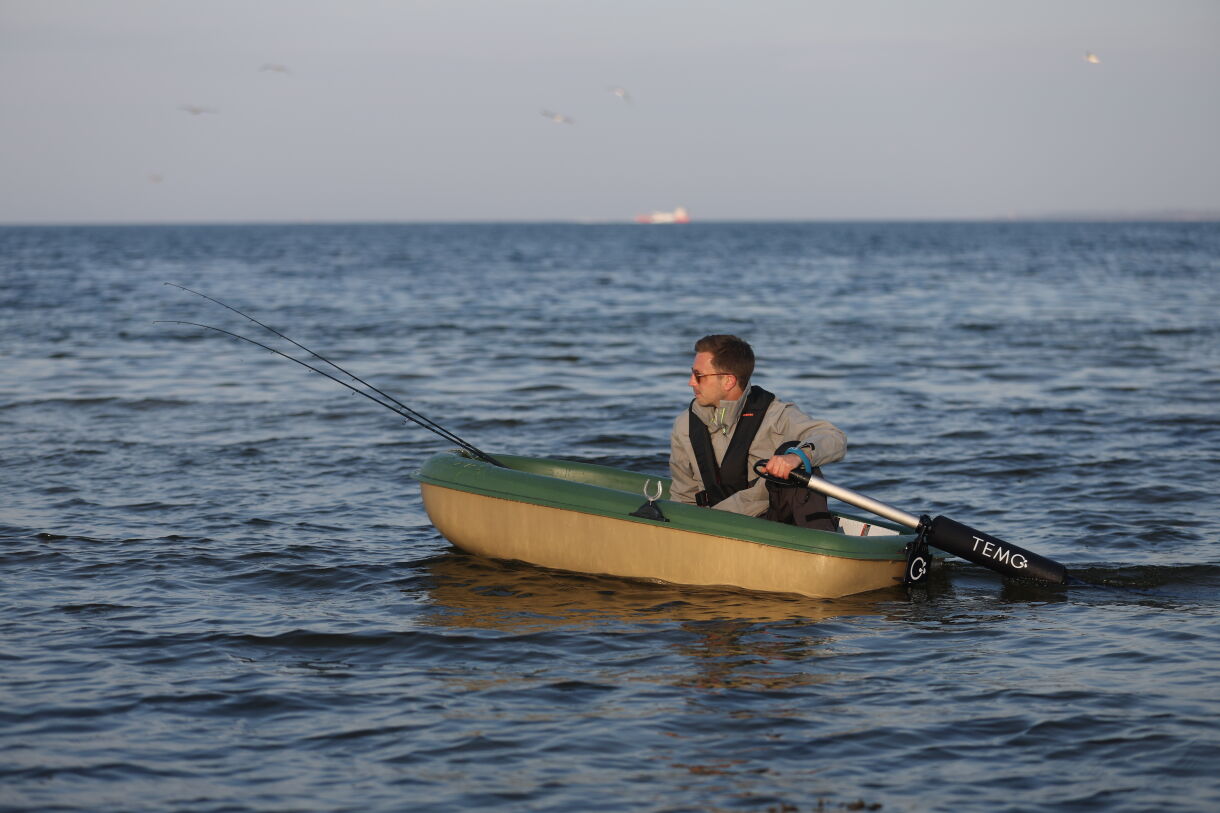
pixel 732 474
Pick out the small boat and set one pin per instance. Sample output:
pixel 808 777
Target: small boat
pixel 586 518
pixel 678 215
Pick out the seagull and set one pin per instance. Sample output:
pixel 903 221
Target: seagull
pixel 622 94
pixel 558 118
pixel 1091 58
pixel 196 110
pixel 274 68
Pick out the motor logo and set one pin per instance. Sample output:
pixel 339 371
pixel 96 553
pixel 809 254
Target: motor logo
pixel 1000 553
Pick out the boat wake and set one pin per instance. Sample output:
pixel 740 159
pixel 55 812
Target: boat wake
pixel 1151 576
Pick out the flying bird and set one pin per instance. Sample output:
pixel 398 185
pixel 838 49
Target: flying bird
pixel 1091 58
pixel 272 67
pixel 622 94
pixel 558 118
pixel 197 110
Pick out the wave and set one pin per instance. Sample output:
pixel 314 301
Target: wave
pixel 1150 576
pixel 140 404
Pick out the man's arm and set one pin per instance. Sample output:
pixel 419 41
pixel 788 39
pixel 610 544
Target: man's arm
pixel 821 441
pixel 682 467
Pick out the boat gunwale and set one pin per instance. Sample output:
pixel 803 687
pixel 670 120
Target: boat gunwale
pixel 456 471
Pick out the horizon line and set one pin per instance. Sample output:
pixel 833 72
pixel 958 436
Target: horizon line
pixel 1164 216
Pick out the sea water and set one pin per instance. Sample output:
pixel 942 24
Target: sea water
pixel 220 590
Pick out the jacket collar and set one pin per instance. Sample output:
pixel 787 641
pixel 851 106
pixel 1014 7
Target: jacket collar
pixel 722 417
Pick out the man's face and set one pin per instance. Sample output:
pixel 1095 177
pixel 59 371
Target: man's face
pixel 709 390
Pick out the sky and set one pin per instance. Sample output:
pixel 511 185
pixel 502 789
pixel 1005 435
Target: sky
pixel 372 110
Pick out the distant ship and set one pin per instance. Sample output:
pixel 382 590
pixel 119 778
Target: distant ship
pixel 678 215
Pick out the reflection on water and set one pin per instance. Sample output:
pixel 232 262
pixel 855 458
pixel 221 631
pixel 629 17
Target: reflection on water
pixel 723 638
pixel 472 591
pixel 732 655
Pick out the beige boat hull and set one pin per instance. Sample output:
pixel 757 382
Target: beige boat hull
pixel 587 543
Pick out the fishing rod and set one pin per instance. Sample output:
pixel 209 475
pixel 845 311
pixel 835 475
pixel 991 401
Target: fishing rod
pixel 415 416
pixel 405 412
pixel 391 403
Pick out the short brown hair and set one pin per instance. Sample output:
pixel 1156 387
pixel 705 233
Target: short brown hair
pixel 730 355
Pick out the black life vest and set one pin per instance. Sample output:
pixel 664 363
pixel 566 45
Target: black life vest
pixel 732 475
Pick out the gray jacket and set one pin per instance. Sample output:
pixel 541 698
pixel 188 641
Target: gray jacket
pixel 781 422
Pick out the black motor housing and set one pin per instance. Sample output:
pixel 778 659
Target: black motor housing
pixel 989 551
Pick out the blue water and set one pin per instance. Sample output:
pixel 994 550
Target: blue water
pixel 220 590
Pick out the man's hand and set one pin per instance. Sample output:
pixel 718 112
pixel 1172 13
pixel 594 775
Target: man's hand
pixel 782 465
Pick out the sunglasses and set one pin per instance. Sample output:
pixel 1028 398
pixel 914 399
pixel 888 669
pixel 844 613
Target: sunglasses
pixel 700 376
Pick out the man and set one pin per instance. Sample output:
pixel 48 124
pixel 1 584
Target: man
pixel 730 425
